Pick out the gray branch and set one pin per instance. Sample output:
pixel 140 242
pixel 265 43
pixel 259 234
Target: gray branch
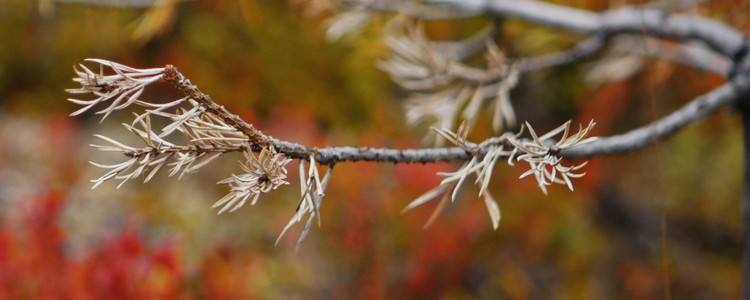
pixel 699 108
pixel 331 155
pixel 692 55
pixel 660 23
pixel 580 51
pixel 117 3
pixel 464 49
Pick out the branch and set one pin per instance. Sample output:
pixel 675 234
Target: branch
pixel 325 156
pixel 223 131
pixel 692 55
pixel 580 51
pixel 619 22
pixel 211 131
pixel 717 36
pixel 461 50
pixel 117 3
pixel 173 76
pixel 699 108
pixel 420 11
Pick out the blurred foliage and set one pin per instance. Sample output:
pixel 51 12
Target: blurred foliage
pixel 271 64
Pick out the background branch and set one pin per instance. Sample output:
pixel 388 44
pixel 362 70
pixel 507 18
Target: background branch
pixel 692 53
pixel 720 37
pixel 117 3
pixel 618 25
pixel 581 50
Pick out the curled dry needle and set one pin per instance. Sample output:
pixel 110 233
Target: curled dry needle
pixel 545 161
pixel 480 166
pixel 443 87
pixel 263 173
pixel 187 159
pixel 312 190
pixel 126 85
pixel 142 163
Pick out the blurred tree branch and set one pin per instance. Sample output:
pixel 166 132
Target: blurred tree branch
pixel 659 23
pixel 117 3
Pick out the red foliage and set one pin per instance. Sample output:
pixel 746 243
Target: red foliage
pixel 34 265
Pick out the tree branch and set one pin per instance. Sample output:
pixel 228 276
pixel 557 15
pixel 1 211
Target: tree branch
pixel 326 156
pixel 580 51
pixel 659 23
pixel 421 11
pixel 692 54
pixel 699 108
pixel 464 49
pixel 117 3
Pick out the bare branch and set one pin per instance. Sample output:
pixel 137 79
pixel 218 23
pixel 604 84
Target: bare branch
pixel 464 49
pixel 580 51
pixel 723 96
pixel 720 37
pixel 692 54
pixel 420 10
pixel 117 3
pixel 212 131
pixel 689 54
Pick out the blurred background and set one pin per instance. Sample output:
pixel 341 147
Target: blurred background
pixel 269 62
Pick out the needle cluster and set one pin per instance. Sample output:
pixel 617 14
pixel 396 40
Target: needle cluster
pixel 544 160
pixel 444 88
